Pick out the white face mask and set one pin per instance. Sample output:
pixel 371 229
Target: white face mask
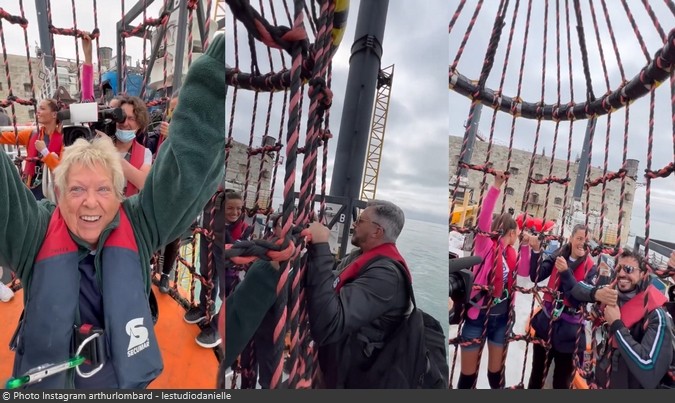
pixel 125 136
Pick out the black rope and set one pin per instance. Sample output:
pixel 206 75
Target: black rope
pixel 584 53
pixel 493 45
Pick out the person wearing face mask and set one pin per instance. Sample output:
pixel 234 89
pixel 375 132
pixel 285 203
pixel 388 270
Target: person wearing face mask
pixel 568 264
pixel 498 272
pixel 639 351
pixel 136 159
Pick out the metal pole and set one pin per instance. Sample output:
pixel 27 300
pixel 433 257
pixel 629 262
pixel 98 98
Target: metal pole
pixel 180 46
pixel 120 56
pixel 45 36
pixel 153 54
pixel 135 11
pixel 470 137
pixel 200 23
pixel 357 112
pixel 584 160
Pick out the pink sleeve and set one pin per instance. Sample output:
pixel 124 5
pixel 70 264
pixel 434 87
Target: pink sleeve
pixel 87 83
pixel 524 264
pixel 486 210
pixel 485 218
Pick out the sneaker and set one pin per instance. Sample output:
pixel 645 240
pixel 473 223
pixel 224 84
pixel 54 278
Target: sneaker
pixel 164 284
pixel 194 315
pixel 208 338
pixel 6 293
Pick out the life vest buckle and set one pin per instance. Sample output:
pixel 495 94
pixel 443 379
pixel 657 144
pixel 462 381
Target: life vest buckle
pixel 90 345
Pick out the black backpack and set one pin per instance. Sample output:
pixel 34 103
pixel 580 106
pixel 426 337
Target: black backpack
pixel 414 356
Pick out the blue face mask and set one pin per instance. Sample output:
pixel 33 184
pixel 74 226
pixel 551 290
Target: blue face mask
pixel 125 136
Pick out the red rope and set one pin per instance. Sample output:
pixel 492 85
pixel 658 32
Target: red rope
pixel 14 19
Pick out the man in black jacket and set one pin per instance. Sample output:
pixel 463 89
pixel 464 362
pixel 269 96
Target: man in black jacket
pixel 640 344
pixel 353 309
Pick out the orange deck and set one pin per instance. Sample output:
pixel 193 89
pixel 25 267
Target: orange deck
pixel 186 365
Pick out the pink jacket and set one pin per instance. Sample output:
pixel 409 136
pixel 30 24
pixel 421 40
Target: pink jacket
pixel 484 247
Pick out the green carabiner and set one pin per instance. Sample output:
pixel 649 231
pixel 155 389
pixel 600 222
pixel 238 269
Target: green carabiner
pixel 39 373
pixel 504 297
pixel 558 308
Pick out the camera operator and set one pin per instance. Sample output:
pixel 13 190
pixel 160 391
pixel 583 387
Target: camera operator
pixel 460 283
pixel 136 158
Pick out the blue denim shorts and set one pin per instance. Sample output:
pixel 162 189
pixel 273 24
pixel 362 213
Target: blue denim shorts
pixel 496 329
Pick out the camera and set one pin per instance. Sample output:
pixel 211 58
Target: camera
pixel 460 282
pixel 83 119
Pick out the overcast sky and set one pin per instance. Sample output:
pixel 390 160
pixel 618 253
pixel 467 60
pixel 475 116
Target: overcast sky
pixel 413 170
pixel 109 13
pixel 633 60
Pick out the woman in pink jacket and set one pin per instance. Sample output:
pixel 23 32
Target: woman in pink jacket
pixel 487 309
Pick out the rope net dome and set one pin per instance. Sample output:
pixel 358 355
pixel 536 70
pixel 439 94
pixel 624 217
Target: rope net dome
pixel 579 94
pixel 279 75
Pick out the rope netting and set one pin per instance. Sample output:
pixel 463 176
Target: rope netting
pixel 529 66
pixel 288 46
pixel 277 52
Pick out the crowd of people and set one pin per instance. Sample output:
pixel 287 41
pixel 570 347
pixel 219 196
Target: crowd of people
pixel 84 218
pixel 638 342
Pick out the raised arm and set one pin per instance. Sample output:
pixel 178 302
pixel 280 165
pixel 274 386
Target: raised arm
pixel 187 172
pixel 486 210
pixel 87 84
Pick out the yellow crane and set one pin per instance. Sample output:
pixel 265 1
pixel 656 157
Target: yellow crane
pixel 377 130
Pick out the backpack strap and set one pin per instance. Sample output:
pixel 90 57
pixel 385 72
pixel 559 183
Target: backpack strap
pixel 406 276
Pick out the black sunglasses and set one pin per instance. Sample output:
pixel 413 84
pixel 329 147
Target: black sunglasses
pixel 628 269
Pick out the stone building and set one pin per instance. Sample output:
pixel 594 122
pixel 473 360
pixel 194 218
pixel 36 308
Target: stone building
pixel 21 86
pixel 235 174
pixel 20 77
pixel 549 200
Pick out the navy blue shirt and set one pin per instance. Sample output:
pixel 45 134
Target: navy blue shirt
pixel 91 312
